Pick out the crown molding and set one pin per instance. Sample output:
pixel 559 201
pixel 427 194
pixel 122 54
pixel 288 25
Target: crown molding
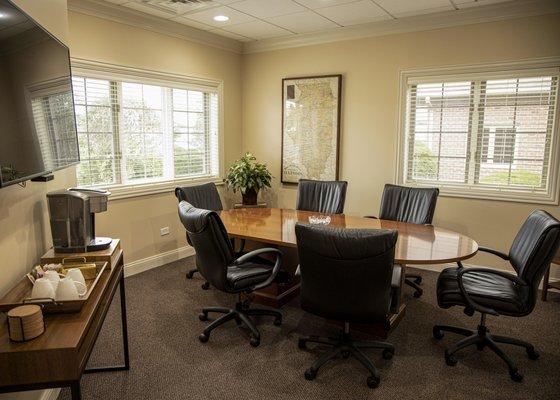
pixel 116 13
pixel 474 15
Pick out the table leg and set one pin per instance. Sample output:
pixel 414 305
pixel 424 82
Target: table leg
pixel 76 390
pixel 124 326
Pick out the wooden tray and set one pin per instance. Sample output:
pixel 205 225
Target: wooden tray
pixel 21 294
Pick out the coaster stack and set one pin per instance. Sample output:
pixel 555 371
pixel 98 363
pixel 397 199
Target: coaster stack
pixel 25 322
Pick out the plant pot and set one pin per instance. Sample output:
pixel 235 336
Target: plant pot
pixel 250 197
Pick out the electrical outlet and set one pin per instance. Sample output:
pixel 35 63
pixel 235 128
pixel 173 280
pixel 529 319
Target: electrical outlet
pixel 164 231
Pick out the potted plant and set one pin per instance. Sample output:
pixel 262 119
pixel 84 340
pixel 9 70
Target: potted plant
pixel 248 176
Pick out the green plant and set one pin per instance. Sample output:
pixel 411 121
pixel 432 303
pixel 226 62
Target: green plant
pixel 246 174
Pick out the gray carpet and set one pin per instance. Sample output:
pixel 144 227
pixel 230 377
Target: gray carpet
pixel 168 361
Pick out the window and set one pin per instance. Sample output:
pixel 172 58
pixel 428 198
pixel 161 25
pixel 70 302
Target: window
pixel 484 135
pixel 134 133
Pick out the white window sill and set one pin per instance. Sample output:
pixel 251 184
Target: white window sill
pixel 119 192
pixel 496 194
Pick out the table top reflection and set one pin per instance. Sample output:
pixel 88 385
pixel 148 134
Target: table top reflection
pixel 417 244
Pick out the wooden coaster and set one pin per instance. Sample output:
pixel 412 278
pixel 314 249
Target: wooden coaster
pixel 25 322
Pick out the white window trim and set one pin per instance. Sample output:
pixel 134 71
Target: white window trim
pixel 551 197
pixel 100 70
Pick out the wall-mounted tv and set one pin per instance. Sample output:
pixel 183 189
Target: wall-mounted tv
pixel 37 122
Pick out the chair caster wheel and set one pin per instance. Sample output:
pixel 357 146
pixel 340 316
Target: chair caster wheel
pixel 418 280
pixel 203 337
pixel 203 316
pixel 437 333
pixel 345 354
pixel 388 354
pixel 516 376
pixel 301 344
pixel 205 286
pixel 190 274
pixel 533 354
pixel 373 381
pixel 418 293
pixel 450 360
pixel 480 346
pixel 255 341
pixel 277 321
pixel 310 374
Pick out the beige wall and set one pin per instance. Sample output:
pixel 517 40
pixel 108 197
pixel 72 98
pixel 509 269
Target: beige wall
pixel 138 221
pixel 369 113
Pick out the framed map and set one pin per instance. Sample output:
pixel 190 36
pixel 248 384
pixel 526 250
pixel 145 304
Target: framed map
pixel 310 127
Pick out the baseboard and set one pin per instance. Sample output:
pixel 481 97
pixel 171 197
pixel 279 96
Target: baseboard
pixel 50 394
pixel 145 264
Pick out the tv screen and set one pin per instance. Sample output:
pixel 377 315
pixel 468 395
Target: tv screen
pixel 37 122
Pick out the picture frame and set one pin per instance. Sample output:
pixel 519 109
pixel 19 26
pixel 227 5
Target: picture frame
pixel 311 114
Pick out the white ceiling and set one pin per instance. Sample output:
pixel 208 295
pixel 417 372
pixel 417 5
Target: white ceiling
pixel 252 20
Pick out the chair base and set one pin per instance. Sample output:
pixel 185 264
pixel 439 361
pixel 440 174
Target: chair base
pixel 482 338
pixel 190 274
pixel 414 281
pixel 346 347
pixel 240 314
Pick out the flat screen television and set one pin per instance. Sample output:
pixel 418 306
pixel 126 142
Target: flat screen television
pixel 37 121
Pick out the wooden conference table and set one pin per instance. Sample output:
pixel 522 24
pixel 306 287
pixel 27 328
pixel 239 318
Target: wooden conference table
pixel 273 227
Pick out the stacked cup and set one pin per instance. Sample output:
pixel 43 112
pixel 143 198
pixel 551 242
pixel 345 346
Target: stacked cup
pixel 51 286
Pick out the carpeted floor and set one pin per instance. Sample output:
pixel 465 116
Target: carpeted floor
pixel 168 361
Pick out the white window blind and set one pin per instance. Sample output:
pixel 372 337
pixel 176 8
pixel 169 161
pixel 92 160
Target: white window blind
pixel 133 133
pixel 491 134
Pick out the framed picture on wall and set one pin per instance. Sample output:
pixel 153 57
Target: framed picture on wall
pixel 310 127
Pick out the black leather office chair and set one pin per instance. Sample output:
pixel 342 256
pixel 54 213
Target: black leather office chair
pixel 413 205
pixel 321 196
pixel 218 264
pixel 493 292
pixel 348 275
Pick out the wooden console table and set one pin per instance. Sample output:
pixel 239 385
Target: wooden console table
pixel 58 358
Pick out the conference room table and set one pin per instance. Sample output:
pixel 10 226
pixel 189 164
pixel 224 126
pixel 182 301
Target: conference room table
pixel 274 227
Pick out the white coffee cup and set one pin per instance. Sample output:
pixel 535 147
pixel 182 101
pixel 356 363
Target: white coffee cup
pixel 76 275
pixel 43 289
pixel 68 290
pixel 54 277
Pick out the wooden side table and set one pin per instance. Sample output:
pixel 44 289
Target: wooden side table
pixel 58 358
pixel 546 280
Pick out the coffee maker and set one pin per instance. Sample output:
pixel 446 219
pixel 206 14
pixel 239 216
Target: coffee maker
pixel 72 215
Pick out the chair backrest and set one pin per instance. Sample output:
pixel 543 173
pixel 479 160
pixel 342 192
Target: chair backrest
pixel 201 196
pixel 534 247
pixel 406 204
pixel 321 196
pixel 346 273
pixel 207 234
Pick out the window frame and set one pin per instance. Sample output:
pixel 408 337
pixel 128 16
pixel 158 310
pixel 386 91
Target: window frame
pixel 112 72
pixel 481 71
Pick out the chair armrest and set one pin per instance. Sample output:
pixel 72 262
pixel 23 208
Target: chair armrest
pixel 397 284
pixel 495 252
pixel 256 253
pixel 473 304
pixel 298 271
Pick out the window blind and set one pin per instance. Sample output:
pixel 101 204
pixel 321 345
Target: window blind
pixel 488 133
pixel 134 133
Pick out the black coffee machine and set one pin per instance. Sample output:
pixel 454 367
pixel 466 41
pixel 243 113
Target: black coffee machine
pixel 72 215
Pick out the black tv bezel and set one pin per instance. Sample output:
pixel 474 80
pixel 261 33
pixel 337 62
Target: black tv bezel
pixel 46 172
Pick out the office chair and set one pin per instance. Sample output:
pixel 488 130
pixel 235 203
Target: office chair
pixel 413 205
pixel 493 292
pixel 321 196
pixel 204 196
pixel 218 264
pixel 348 275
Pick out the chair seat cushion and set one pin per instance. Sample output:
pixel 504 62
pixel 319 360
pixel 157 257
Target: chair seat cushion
pixel 487 289
pixel 244 276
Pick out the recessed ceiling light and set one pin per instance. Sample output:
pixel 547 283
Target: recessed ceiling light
pixel 2 15
pixel 221 18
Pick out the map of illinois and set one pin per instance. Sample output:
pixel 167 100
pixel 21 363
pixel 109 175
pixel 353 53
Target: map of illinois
pixel 310 129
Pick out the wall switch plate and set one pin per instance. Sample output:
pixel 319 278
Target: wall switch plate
pixel 164 231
